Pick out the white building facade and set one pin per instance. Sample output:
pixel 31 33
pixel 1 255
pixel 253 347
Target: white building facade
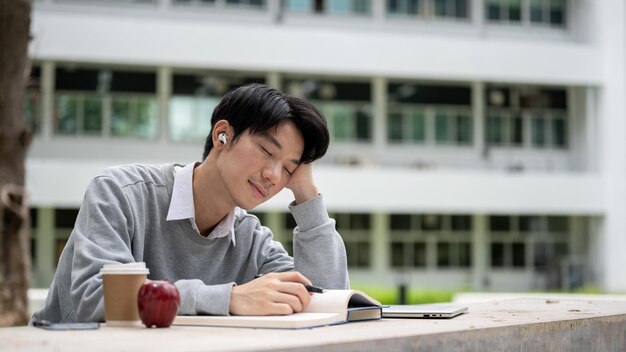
pixel 476 144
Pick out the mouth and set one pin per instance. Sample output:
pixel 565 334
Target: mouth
pixel 257 189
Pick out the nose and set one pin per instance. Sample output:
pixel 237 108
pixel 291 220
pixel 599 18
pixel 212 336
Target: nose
pixel 271 172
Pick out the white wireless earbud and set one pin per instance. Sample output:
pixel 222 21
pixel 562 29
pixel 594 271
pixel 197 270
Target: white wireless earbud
pixel 222 138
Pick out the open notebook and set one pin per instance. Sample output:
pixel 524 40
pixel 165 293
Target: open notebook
pixel 328 308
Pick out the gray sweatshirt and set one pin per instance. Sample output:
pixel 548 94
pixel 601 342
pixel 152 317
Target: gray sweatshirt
pixel 122 220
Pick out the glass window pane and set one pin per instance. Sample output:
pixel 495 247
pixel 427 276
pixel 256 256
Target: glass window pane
pixel 395 127
pixel 342 117
pixel 93 115
pixel 360 221
pixel 299 5
pixel 497 255
pixel 493 10
pixel 400 222
pixel 530 224
pixel 443 254
pixel 515 10
pixel 557 12
pixel 66 114
pixel 461 222
pixel 465 255
pixel 65 218
pixel 541 257
pixel 461 9
pixel 120 117
pixel 441 128
pixel 190 118
pixel 339 6
pixel 419 254
pixel 289 222
pixel 559 132
pixel 518 131
pixel 392 6
pixel 494 130
pixel 500 223
pixel 558 224
pixel 352 253
pixel 361 6
pixel 519 255
pixel 419 126
pixel 538 132
pixel 441 8
pixel 146 125
pixel 430 222
pixel 397 254
pixel 363 124
pixel 363 253
pixel 463 130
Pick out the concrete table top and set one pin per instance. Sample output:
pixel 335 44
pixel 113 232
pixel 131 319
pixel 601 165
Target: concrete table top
pixel 521 324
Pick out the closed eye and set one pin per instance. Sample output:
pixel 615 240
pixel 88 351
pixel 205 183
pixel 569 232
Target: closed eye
pixel 265 150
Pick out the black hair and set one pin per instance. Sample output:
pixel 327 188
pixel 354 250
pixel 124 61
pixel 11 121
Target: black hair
pixel 258 107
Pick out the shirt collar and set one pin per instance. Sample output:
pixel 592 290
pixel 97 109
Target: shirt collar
pixel 182 206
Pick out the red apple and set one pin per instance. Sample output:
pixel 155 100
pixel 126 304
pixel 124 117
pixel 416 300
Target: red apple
pixel 158 303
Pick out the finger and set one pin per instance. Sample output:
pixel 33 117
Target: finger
pixel 292 276
pixel 298 290
pixel 292 300
pixel 280 309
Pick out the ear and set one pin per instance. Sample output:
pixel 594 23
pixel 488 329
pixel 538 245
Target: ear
pixel 221 126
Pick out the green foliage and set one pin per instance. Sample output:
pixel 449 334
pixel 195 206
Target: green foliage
pixel 390 295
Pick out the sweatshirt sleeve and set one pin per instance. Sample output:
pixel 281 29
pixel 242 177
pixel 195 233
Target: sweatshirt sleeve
pixel 102 234
pixel 319 252
pixel 198 298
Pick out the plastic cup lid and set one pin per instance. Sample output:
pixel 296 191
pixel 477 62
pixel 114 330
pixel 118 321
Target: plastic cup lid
pixel 126 268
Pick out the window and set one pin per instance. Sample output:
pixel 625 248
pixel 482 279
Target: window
pixel 549 13
pixel 194 96
pixel 429 9
pixel 355 229
pixel 249 4
pixel 334 7
pixel 86 99
pixel 411 236
pixel 421 114
pixel 504 10
pixel 527 117
pixel 346 106
pixel 32 100
pixel 516 238
pixel 65 218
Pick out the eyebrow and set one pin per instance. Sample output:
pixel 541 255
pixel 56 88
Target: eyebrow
pixel 275 141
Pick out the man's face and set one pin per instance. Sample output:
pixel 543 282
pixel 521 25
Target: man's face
pixel 258 166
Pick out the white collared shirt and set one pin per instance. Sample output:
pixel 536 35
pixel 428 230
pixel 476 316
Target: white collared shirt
pixel 182 206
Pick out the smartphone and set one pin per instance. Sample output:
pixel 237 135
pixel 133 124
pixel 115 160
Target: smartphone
pixel 44 324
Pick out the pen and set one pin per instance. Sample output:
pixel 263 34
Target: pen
pixel 309 288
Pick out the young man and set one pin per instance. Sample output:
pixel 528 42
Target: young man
pixel 189 223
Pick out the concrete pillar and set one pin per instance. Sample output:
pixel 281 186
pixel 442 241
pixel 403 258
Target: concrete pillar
pixel 612 109
pixel 164 92
pixel 273 221
pixel 480 252
pixel 478 118
pixel 47 98
pixel 45 244
pixel 379 124
pixel 380 243
pixel 274 79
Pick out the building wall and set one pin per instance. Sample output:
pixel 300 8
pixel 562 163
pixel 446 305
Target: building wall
pixel 582 182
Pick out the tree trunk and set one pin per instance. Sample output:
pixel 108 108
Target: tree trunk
pixel 14 141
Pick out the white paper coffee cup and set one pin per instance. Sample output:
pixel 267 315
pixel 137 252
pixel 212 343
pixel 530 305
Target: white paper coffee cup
pixel 121 284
